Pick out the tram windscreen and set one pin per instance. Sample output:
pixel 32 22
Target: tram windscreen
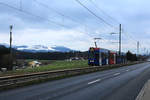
pixel 91 54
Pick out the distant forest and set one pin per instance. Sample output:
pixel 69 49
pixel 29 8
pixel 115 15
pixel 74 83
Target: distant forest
pixel 4 53
pixel 50 55
pixel 7 60
pixel 3 50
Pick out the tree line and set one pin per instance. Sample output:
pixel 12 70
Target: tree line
pixel 7 61
pixel 50 55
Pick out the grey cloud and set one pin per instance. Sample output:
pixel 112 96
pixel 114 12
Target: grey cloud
pixel 133 14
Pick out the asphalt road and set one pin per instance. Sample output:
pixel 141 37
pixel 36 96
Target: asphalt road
pixel 117 84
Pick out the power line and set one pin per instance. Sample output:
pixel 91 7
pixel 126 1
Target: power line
pixel 130 37
pixel 46 6
pixel 108 16
pixel 101 19
pixel 59 13
pixel 104 12
pixel 133 40
pixel 23 11
pixel 28 13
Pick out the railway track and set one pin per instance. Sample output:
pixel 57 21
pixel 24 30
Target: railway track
pixel 16 80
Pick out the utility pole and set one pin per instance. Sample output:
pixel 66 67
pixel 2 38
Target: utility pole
pixel 120 31
pixel 10 55
pixel 120 39
pixel 137 47
pixel 11 38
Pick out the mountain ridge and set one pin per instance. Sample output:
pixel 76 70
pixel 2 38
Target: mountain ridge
pixel 40 48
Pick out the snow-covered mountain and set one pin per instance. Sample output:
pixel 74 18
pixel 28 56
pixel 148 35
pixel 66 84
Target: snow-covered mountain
pixel 40 48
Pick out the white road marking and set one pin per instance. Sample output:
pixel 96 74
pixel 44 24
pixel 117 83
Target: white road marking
pixel 94 81
pixel 127 70
pixel 116 74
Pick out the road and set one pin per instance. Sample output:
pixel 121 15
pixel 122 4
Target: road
pixel 117 84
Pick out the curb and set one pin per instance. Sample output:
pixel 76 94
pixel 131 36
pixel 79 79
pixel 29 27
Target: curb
pixel 145 92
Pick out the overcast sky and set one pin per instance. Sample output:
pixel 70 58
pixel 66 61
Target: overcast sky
pixel 67 23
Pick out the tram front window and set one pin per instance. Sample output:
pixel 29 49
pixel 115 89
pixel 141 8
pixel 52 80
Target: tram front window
pixel 91 55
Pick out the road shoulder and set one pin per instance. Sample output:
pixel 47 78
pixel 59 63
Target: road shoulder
pixel 145 92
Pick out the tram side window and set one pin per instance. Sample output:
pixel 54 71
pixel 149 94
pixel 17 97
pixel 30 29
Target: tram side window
pixel 104 55
pixel 97 56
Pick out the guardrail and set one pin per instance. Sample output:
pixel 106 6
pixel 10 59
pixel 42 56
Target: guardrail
pixel 16 80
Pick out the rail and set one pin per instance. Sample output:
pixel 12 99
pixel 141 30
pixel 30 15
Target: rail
pixel 15 80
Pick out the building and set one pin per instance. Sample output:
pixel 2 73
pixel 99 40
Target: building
pixel 34 64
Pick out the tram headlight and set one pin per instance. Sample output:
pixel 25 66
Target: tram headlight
pixel 91 61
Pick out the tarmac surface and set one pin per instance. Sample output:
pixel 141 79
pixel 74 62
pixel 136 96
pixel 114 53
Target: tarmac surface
pixel 123 83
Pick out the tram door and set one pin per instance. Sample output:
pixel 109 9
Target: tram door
pixel 103 56
pixel 97 59
pixel 112 58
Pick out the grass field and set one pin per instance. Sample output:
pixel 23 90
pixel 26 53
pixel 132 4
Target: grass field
pixel 55 65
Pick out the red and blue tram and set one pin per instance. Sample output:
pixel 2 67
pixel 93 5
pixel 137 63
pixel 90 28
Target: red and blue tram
pixel 100 56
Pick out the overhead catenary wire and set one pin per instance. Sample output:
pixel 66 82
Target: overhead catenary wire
pixel 106 14
pixel 26 12
pixel 101 19
pixel 131 41
pixel 129 37
pixel 31 14
pixel 61 14
pixel 56 11
pixel 98 16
